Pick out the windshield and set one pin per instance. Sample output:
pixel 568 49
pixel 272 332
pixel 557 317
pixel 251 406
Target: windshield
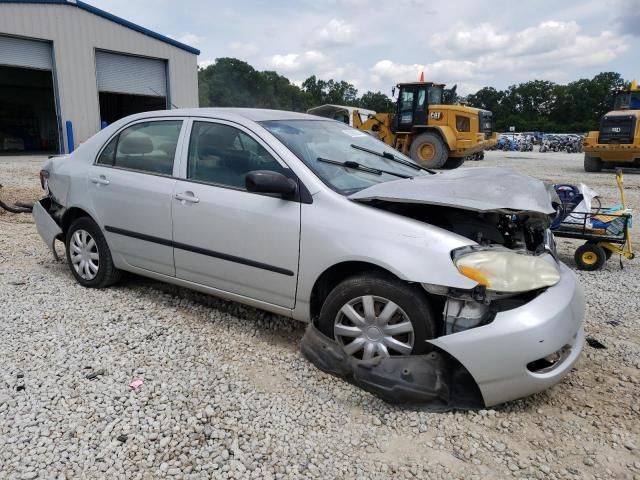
pixel 435 95
pixel 311 140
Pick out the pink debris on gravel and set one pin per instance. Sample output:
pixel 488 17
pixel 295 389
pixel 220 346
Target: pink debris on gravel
pixel 136 383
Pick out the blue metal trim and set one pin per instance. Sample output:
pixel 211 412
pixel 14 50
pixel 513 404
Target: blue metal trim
pixel 70 142
pixel 121 21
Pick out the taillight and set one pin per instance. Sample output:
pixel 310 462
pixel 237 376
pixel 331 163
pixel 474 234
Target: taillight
pixel 44 176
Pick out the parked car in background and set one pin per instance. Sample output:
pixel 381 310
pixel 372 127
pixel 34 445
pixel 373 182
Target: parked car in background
pixel 309 218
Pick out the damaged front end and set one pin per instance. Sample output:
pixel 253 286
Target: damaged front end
pixel 436 379
pixel 525 308
pixel 505 214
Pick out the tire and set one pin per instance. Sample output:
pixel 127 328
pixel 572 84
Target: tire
pixel 370 337
pixel 429 142
pixel 592 164
pixel 607 253
pixel 590 257
pixel 452 163
pixel 86 243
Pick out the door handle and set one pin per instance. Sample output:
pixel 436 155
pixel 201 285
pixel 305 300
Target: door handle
pixel 187 197
pixel 101 180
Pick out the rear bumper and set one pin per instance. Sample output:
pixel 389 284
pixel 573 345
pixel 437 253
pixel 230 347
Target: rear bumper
pixel 497 355
pixel 47 227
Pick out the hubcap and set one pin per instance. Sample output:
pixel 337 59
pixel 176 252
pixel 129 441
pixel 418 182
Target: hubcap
pixel 84 255
pixel 371 326
pixel 426 152
pixel 589 258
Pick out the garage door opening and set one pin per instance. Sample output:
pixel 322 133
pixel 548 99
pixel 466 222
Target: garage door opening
pixel 28 122
pixel 114 106
pixel 128 84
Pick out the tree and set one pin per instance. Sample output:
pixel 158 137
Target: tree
pixel 376 101
pixel 536 105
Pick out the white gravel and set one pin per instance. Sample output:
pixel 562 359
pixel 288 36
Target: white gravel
pixel 227 394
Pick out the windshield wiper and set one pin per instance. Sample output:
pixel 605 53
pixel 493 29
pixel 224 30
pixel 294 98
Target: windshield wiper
pixel 391 156
pixel 362 168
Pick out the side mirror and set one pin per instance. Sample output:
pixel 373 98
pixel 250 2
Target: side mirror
pixel 267 181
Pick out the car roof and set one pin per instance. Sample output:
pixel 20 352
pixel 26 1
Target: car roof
pixel 253 114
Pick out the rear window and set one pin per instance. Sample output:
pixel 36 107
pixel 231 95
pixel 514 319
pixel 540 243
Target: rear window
pixel 145 147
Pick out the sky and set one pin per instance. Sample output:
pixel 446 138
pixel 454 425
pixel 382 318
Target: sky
pixel 375 45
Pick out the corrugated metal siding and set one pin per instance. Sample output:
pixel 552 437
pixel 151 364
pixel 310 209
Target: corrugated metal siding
pixel 76 34
pixel 133 75
pixel 19 52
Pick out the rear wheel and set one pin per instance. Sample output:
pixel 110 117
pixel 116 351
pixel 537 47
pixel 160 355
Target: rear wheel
pixel 592 164
pixel 88 255
pixel 590 257
pixel 374 315
pixel 429 150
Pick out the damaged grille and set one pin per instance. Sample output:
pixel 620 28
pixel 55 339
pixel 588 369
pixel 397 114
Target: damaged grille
pixel 617 129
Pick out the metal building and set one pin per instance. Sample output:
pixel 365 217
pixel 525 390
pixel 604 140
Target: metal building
pixel 67 68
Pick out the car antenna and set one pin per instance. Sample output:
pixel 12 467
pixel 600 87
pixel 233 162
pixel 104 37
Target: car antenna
pixel 158 93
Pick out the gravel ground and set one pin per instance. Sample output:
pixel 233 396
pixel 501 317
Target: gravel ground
pixel 227 394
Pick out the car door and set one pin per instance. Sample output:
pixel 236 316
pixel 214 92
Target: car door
pixel 225 237
pixel 131 185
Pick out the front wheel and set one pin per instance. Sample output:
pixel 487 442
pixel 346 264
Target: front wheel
pixel 429 150
pixel 374 315
pixel 88 255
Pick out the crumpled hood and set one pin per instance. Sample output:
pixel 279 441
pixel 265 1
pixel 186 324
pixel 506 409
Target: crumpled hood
pixel 478 189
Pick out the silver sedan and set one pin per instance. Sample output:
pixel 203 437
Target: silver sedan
pixel 309 218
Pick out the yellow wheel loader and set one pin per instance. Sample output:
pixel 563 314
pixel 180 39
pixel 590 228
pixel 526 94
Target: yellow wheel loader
pixel 423 127
pixel 617 143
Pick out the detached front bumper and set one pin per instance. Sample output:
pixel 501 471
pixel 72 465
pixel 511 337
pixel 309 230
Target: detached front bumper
pixel 47 227
pixel 498 355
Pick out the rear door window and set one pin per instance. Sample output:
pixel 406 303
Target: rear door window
pixel 145 147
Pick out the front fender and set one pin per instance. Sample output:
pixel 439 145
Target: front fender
pixel 337 230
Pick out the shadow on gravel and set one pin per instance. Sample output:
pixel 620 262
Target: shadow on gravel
pixel 272 328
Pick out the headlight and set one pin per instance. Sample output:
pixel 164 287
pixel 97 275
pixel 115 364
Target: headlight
pixel 505 271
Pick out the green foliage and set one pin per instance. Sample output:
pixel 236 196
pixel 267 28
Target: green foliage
pixel 376 101
pixel 540 105
pixel 537 105
pixel 233 83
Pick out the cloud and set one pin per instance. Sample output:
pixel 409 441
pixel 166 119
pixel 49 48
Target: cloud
pixel 244 50
pixel 391 72
pixel 479 39
pixel 190 39
pixel 295 62
pixel 628 17
pixel 546 50
pixel 334 33
pixel 206 63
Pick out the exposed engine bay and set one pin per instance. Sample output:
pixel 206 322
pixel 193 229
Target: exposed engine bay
pixel 516 231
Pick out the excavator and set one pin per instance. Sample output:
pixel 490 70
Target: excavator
pixel 423 127
pixel 617 143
